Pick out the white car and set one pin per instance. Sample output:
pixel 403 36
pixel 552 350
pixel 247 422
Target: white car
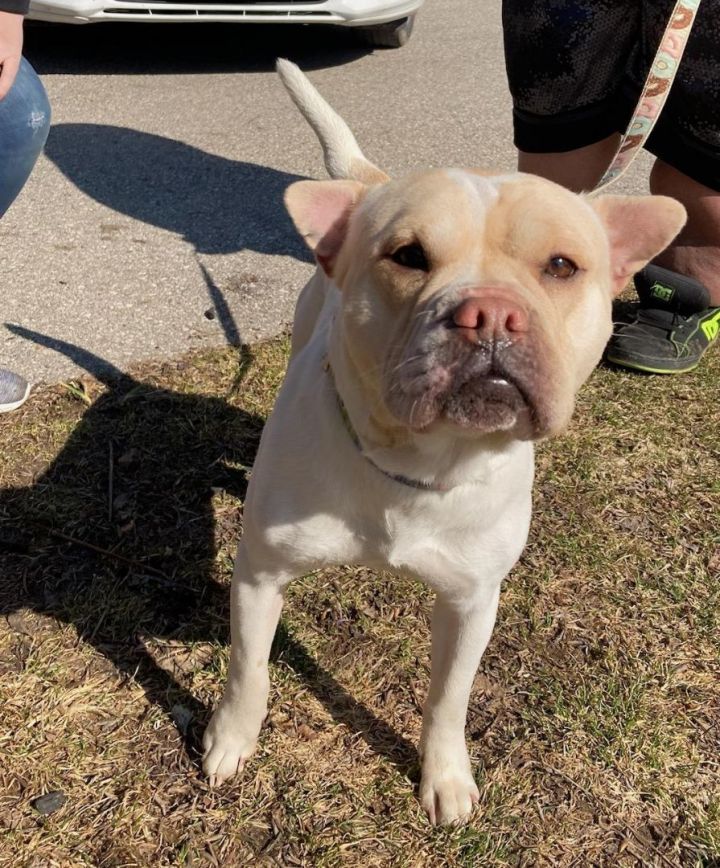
pixel 386 23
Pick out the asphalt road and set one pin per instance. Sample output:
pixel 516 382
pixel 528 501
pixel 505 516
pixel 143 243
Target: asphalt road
pixel 154 222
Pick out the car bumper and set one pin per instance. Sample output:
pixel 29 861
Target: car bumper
pixel 351 13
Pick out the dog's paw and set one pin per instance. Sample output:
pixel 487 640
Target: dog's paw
pixel 226 747
pixel 447 790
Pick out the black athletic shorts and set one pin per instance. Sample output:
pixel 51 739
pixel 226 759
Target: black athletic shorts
pixel 576 69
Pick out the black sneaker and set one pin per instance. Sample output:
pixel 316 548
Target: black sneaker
pixel 673 327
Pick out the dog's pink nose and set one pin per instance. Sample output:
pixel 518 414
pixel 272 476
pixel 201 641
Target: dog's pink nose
pixel 490 317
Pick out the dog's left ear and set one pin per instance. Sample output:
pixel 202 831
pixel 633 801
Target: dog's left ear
pixel 638 228
pixel 321 212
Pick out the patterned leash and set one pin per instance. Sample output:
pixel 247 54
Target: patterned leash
pixel 657 87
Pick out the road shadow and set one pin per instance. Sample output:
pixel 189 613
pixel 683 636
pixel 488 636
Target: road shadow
pixel 217 205
pixel 119 537
pixel 113 48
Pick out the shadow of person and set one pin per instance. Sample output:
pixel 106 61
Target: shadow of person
pixel 119 537
pixel 116 48
pixel 217 205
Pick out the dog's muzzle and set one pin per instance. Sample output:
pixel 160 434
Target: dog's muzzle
pixel 476 366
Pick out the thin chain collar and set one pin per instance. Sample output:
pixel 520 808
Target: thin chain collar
pixel 396 477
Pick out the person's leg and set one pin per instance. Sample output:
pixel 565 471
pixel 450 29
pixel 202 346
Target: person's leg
pixel 24 125
pixel 679 314
pixel 578 170
pixel 696 251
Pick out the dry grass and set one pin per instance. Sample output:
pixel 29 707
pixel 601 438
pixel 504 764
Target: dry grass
pixel 593 726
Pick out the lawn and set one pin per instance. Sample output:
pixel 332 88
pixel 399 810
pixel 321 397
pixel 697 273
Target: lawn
pixel 594 724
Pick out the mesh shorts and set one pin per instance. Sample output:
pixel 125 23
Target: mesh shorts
pixel 576 69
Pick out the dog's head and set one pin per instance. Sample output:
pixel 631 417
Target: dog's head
pixel 475 301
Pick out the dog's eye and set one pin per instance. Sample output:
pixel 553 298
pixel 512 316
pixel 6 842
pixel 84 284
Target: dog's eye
pixel 411 256
pixel 560 267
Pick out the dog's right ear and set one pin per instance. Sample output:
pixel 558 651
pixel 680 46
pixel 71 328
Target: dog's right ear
pixel 321 213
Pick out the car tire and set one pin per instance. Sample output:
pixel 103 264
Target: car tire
pixel 393 34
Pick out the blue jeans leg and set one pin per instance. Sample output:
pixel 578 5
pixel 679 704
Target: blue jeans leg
pixel 24 126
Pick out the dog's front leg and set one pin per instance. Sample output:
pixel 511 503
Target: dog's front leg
pixel 256 601
pixel 461 630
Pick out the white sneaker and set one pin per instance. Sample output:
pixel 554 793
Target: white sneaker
pixel 14 390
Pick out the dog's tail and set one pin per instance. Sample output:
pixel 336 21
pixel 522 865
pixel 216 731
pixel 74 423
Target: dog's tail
pixel 343 157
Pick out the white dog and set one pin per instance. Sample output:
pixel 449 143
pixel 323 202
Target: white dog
pixel 453 316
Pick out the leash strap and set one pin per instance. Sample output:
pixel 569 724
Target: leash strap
pixel 657 87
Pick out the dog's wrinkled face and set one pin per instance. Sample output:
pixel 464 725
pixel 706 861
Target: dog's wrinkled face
pixel 484 304
pixel 479 302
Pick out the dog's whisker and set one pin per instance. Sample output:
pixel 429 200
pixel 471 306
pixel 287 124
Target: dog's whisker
pixel 405 362
pixel 412 412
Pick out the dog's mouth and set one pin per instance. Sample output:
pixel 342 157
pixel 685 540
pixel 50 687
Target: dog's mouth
pixel 492 402
pixel 483 391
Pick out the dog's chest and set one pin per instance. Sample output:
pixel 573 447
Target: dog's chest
pixel 453 543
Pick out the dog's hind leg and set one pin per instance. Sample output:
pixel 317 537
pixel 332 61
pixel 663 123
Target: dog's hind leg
pixel 256 603
pixel 461 630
